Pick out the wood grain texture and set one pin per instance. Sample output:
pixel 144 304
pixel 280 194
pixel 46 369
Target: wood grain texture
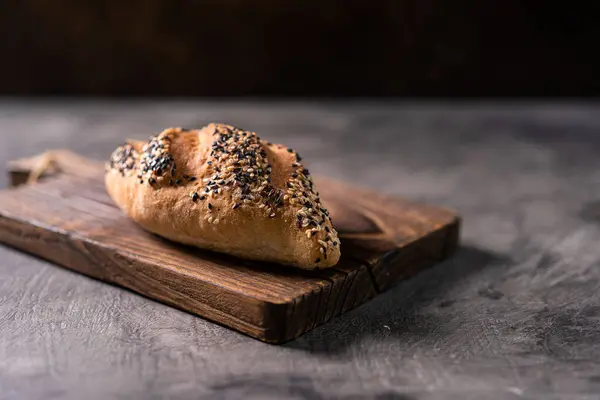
pixel 68 219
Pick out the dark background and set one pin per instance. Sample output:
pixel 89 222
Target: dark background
pixel 299 48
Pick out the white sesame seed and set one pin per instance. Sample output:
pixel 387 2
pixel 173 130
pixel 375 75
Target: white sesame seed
pixel 322 243
pixel 321 250
pixel 210 220
pixel 261 205
pixel 216 221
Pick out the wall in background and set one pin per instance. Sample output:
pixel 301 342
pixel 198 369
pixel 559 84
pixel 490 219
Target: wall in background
pixel 298 48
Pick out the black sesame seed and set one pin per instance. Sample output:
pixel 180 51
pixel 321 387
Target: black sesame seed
pixel 326 229
pixel 193 178
pixel 298 158
pixel 335 243
pixel 178 181
pixel 210 206
pixel 151 181
pixel 290 150
pixel 202 197
pixel 317 260
pixel 294 175
pixel 195 197
pixel 236 205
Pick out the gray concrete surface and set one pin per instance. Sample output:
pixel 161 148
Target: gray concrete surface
pixel 515 314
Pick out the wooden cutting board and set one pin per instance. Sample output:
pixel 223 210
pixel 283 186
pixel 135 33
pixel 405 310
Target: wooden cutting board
pixel 67 218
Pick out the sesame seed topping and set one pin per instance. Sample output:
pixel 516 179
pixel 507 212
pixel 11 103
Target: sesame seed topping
pixel 123 160
pixel 210 206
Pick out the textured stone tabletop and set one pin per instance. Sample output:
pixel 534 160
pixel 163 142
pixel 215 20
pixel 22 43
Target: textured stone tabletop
pixel 515 314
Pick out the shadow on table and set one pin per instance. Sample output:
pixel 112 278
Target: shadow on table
pixel 284 385
pixel 401 312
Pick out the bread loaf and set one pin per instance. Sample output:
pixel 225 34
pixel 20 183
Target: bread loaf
pixel 224 189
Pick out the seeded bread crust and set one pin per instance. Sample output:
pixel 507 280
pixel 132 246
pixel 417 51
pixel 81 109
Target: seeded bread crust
pixel 223 189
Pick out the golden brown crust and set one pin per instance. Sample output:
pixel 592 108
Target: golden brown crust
pixel 224 189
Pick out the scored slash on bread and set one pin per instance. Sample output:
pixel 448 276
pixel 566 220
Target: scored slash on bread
pixel 224 189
